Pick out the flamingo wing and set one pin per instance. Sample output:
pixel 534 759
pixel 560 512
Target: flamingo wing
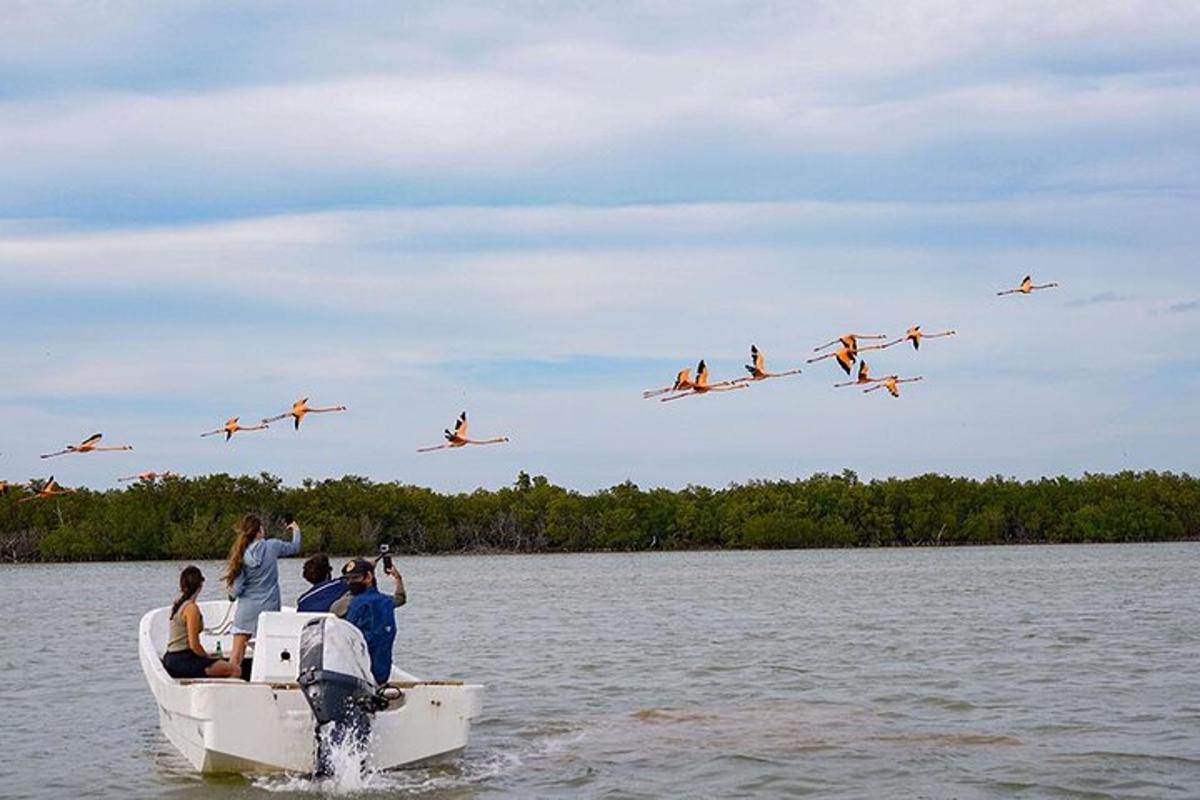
pixel 844 359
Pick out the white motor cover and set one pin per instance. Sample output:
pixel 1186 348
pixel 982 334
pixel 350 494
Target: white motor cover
pixel 333 645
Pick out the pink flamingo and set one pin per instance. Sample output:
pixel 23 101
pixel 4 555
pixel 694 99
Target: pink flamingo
pixel 48 489
pixel 458 437
pixel 758 371
pixel 299 409
pixel 88 445
pixel 891 384
pixel 864 377
pixel 702 386
pixel 683 382
pixel 1026 287
pixel 232 426
pixel 915 336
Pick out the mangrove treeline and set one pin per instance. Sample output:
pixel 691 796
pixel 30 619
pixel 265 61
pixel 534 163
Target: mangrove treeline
pixel 193 518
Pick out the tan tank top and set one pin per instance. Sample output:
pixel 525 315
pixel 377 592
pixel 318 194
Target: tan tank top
pixel 177 640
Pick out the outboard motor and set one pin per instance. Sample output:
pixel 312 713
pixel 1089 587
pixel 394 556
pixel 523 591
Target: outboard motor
pixel 335 676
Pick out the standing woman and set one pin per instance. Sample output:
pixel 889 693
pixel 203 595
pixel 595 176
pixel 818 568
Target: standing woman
pixel 253 578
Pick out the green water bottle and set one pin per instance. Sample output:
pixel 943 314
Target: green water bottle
pixel 219 655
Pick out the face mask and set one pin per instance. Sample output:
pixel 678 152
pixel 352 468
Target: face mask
pixel 356 588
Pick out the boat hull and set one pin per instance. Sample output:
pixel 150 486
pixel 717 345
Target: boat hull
pixel 229 725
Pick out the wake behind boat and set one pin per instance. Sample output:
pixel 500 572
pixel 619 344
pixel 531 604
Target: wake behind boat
pixel 268 724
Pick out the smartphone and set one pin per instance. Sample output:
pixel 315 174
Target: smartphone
pixel 387 559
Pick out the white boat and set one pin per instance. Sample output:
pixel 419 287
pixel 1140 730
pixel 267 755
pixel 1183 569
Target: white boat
pixel 267 725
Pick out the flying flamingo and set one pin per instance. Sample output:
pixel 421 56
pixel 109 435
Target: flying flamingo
pixel 458 437
pixel 891 384
pixel 845 357
pixel 231 427
pixel 49 489
pixel 683 382
pixel 299 409
pixel 5 486
pixel 758 371
pixel 850 341
pixel 148 476
pixel 1026 287
pixel 88 445
pixel 702 386
pixel 864 376
pixel 915 336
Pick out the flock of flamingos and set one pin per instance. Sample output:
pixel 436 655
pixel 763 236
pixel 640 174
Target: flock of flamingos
pixel 683 386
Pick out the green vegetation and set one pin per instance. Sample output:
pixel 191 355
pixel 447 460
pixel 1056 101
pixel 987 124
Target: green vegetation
pixel 193 518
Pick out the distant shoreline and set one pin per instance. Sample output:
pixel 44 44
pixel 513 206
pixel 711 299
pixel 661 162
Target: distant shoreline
pixel 338 558
pixel 193 518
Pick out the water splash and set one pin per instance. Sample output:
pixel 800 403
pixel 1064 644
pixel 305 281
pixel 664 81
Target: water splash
pixel 352 775
pixel 350 770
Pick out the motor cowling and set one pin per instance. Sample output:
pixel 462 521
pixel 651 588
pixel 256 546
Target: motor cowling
pixel 335 670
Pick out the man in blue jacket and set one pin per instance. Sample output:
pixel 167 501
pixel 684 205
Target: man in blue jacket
pixel 372 612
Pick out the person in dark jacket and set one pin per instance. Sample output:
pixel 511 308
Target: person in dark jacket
pixel 324 589
pixel 372 612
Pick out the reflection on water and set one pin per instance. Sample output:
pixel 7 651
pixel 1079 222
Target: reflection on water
pixel 972 673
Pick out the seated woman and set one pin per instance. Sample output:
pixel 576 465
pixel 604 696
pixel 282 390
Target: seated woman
pixel 185 658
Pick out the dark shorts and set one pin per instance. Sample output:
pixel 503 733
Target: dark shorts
pixel 186 664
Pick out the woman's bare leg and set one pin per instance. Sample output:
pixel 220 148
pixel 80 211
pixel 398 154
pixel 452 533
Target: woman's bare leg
pixel 223 669
pixel 240 640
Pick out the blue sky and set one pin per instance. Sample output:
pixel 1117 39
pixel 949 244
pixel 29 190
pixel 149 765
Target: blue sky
pixel 534 211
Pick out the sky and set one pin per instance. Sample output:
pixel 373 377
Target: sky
pixel 533 211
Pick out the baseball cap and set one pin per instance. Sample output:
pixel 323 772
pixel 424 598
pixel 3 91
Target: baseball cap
pixel 358 566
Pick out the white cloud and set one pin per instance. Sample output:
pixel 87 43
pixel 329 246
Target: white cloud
pixel 582 94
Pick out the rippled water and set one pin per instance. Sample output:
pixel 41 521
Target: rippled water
pixel 966 673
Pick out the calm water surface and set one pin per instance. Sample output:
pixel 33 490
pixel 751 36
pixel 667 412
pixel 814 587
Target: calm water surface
pixel 1068 672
